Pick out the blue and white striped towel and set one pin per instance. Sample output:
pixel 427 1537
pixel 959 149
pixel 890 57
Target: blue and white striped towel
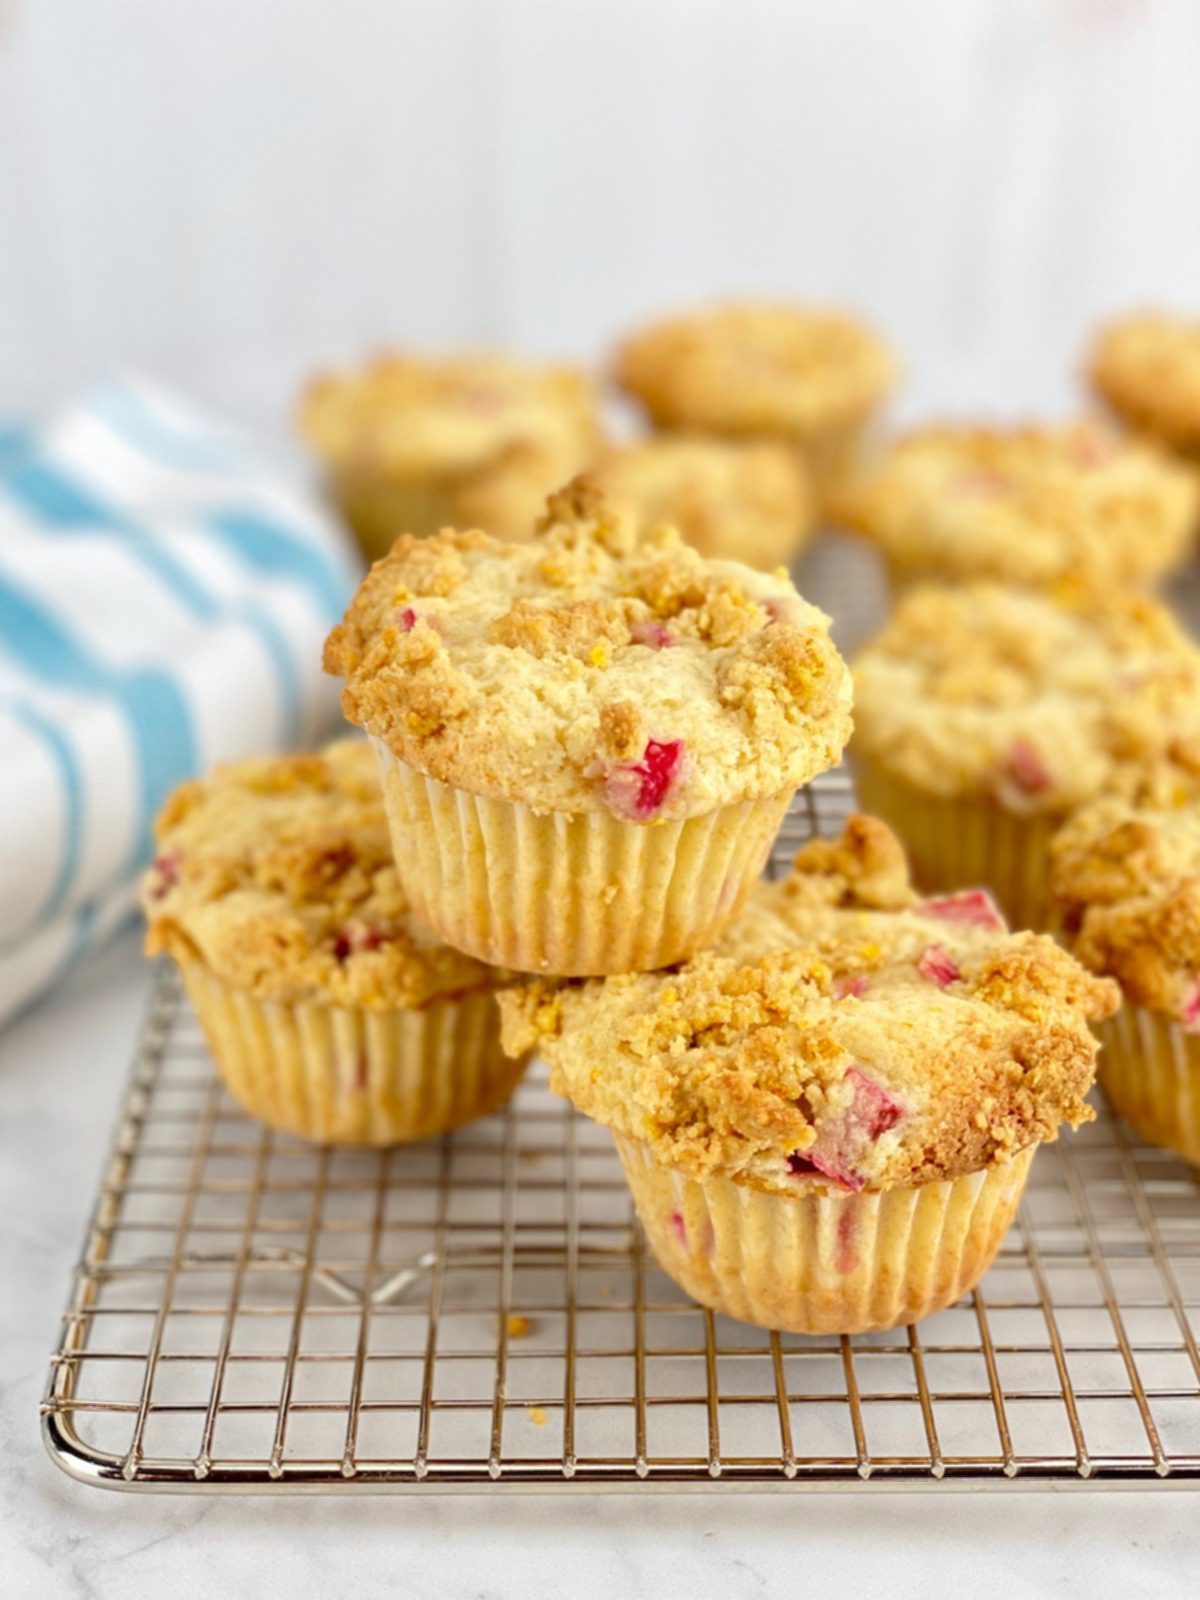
pixel 164 593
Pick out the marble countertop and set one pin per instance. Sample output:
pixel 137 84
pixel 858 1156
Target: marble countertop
pixel 61 1068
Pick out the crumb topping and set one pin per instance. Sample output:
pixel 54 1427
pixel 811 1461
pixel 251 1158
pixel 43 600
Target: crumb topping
pixel 828 1040
pixel 1147 367
pixel 757 368
pixel 278 874
pixel 1125 872
pixel 1039 506
pixel 592 667
pixel 749 500
pixel 1035 703
pixel 411 415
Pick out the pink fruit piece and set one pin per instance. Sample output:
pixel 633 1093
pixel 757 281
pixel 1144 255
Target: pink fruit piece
pixel 1026 767
pixel 786 608
pixel 938 965
pixel 356 936
pixel 650 633
pixel 638 790
pixel 1189 1013
pixel 973 908
pixel 166 873
pixel 678 1227
pixel 406 620
pixel 845 1137
pixel 851 983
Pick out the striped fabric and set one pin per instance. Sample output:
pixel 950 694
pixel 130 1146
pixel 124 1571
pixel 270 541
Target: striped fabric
pixel 164 593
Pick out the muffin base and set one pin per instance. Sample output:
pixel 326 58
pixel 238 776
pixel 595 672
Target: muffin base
pixel 816 1262
pixel 342 1076
pixel 1150 1073
pixel 957 844
pixel 575 896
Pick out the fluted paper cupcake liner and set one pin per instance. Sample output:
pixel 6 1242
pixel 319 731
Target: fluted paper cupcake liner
pixel 574 896
pixel 817 1262
pixel 1150 1073
pixel 966 843
pixel 380 509
pixel 343 1076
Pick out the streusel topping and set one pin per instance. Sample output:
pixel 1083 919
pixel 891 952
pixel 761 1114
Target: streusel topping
pixel 748 500
pixel 278 874
pixel 983 691
pixel 1126 877
pixel 592 668
pixel 826 1041
pixel 426 415
pixel 1027 505
pixel 757 368
pixel 1147 367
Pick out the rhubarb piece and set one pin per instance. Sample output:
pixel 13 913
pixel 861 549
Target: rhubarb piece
pixel 165 870
pixel 1189 1013
pixel 650 633
pixel 844 1138
pixel 850 983
pixel 938 965
pixel 1026 768
pixel 638 790
pixel 972 908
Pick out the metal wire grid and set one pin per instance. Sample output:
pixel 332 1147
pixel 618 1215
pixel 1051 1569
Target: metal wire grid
pixel 481 1311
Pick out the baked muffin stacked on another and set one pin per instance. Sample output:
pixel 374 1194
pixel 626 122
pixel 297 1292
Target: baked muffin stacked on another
pixel 809 376
pixel 985 715
pixel 1050 508
pixel 330 1012
pixel 1126 879
pixel 827 1120
pixel 411 444
pixel 587 742
pixel 743 500
pixel 1146 367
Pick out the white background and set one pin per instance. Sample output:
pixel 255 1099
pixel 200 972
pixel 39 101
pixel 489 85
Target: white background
pixel 229 192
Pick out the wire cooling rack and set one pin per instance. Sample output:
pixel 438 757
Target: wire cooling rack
pixel 253 1313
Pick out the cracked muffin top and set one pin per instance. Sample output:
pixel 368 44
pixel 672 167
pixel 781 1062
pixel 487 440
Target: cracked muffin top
pixel 1125 872
pixel 278 875
pixel 1038 506
pixel 1147 367
pixel 757 368
pixel 747 500
pixel 409 415
pixel 592 668
pixel 1037 703
pixel 842 1034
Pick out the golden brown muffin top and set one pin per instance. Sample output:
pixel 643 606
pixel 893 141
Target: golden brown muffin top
pixel 1040 506
pixel 757 368
pixel 411 415
pixel 1125 872
pixel 1147 367
pixel 1010 695
pixel 592 668
pixel 278 875
pixel 747 500
pixel 839 1035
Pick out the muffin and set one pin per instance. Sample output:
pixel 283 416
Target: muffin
pixel 587 741
pixel 827 1121
pixel 985 715
pixel 745 500
pixel 1039 507
pixel 411 444
pixel 1146 366
pixel 810 376
pixel 1126 878
pixel 330 1013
